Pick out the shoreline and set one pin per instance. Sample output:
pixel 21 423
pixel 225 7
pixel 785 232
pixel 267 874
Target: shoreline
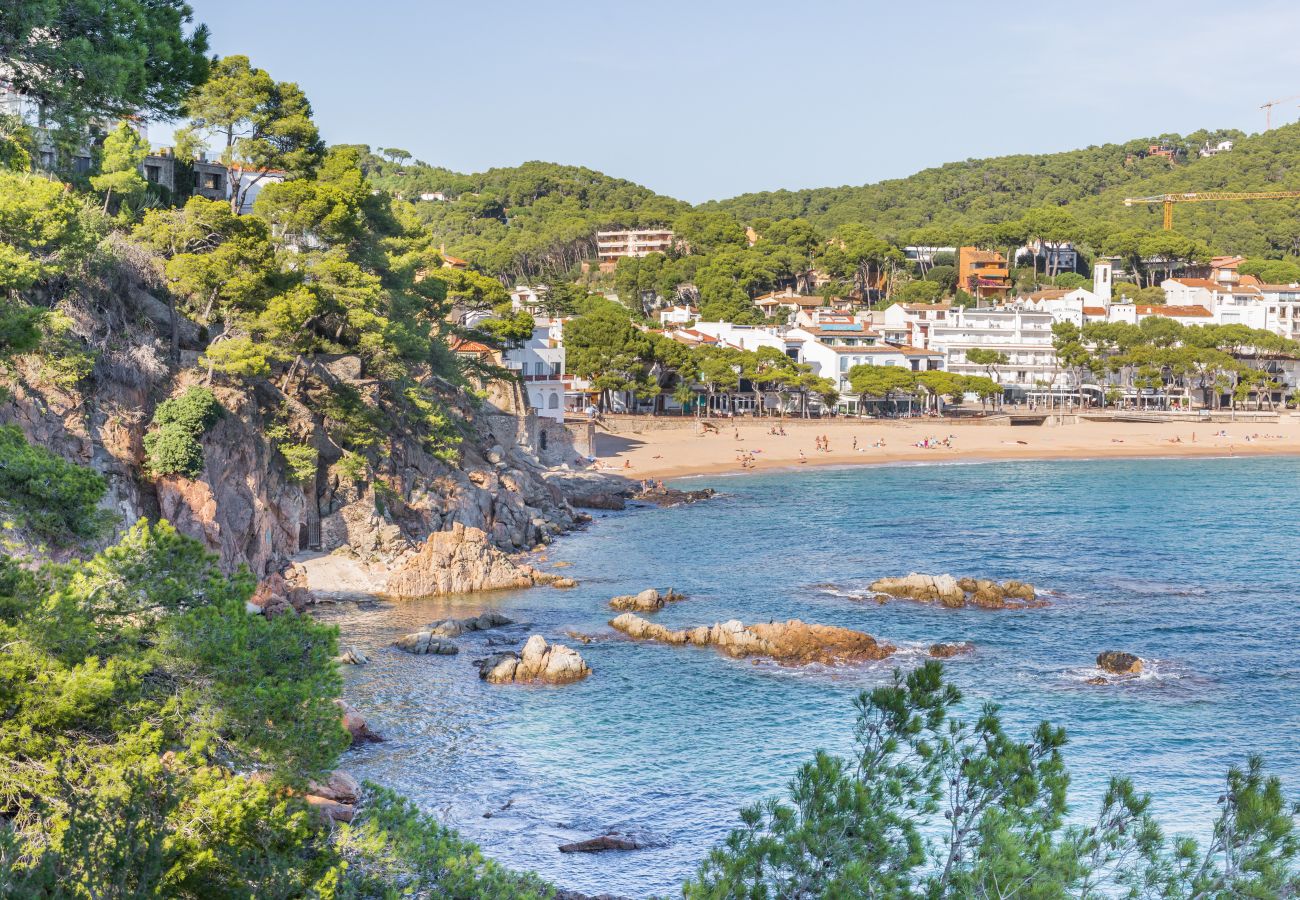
pixel 684 453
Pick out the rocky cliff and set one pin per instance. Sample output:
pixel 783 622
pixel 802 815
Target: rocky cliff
pixel 244 504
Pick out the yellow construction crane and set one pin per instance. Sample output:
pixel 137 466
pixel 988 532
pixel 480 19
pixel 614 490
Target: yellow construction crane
pixel 1268 109
pixel 1170 199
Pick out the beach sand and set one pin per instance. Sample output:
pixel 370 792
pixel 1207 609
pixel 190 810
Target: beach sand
pixel 676 452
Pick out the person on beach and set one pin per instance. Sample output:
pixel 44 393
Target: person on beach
pixel 855 442
pixel 802 458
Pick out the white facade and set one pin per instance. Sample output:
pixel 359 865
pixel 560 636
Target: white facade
pixel 678 315
pixel 540 364
pixel 743 337
pixel 612 245
pixel 1229 304
pixel 1023 334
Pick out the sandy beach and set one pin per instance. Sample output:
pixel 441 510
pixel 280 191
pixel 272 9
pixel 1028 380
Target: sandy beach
pixel 676 452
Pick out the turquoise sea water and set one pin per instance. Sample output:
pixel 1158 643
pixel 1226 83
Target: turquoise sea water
pixel 1192 564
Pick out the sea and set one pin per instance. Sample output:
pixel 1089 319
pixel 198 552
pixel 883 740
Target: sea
pixel 1189 563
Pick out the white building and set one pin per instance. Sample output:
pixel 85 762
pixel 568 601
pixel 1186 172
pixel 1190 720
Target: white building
pixel 1229 303
pixel 613 245
pixel 531 297
pixel 540 364
pixel 678 315
pixel 911 323
pixel 741 337
pixel 1023 334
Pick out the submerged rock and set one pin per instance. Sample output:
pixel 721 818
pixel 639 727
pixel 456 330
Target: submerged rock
pixel 956 593
pixel 649 600
pixel 793 642
pixel 459 561
pixel 538 662
pixel 1117 662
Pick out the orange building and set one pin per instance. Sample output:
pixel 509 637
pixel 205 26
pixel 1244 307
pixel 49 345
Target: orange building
pixel 983 273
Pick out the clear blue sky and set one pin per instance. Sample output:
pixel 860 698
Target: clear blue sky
pixel 704 100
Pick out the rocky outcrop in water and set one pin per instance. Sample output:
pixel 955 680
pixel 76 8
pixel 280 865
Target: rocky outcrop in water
pixel 538 662
pixel 452 628
pixel 948 651
pixel 666 496
pixel 356 724
pixel 649 600
pixel 425 643
pixel 1117 662
pixel 462 560
pixel 611 840
pixel 955 593
pixel 793 642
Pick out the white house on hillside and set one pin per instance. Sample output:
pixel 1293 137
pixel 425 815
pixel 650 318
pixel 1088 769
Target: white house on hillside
pixel 540 364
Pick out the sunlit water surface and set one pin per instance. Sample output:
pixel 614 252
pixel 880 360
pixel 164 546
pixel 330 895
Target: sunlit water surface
pixel 1189 563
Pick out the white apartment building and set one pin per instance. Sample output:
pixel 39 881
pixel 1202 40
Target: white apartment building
pixel 540 364
pixel 1228 303
pixel 1023 334
pixel 613 245
pixel 912 323
pixel 742 337
pixel 832 350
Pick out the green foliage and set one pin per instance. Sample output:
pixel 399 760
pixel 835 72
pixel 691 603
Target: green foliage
pixel 881 381
pixel 301 460
pixel 15 144
pixel 171 450
pixel 935 805
pixel 43 232
pixel 241 357
pixel 352 467
pixel 393 844
pixel 110 58
pixel 123 152
pixel 195 411
pixel 509 330
pixel 174 448
pixel 51 496
pixel 259 123
pixel 920 292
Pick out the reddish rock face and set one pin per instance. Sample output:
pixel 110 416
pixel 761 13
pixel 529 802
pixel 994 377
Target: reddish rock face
pixel 461 560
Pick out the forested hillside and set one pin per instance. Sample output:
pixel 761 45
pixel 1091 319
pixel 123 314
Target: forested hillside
pixel 942 204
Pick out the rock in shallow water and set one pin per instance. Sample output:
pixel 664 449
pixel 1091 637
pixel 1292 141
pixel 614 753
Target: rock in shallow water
pixel 948 651
pixel 1117 662
pixel 538 662
pixel 611 841
pixel 793 642
pixel 423 643
pixel 955 593
pixel 450 628
pixel 462 560
pixel 649 600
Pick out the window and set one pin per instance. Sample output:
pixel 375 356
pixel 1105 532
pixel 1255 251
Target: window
pixel 152 174
pixel 553 402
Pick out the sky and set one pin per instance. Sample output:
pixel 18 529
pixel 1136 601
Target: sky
pixel 705 100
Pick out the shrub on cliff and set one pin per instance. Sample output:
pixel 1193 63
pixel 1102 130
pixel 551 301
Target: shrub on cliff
pixel 174 448
pixel 939 807
pixel 48 494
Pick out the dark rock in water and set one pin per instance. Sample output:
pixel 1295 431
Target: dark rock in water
pixel 1098 679
pixel 578 895
pixel 672 497
pixel 356 725
pixel 611 841
pixel 1117 662
pixel 948 651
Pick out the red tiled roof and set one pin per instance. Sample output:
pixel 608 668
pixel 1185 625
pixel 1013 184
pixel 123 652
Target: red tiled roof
pixel 1094 310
